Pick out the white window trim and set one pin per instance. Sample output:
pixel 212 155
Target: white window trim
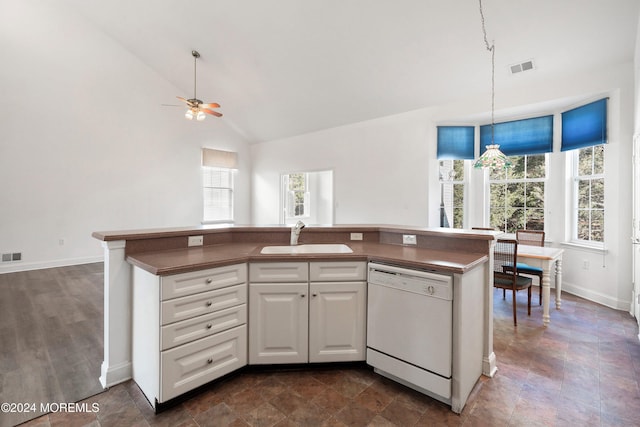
pixel 588 245
pixel 286 191
pixel 229 220
pixel 465 185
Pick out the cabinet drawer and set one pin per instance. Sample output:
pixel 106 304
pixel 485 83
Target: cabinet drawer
pixel 338 271
pixel 180 285
pixel 279 272
pixel 192 365
pixel 202 326
pixel 202 303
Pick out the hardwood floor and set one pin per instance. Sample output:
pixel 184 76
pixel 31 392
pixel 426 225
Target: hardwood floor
pixel 51 333
pixel 584 369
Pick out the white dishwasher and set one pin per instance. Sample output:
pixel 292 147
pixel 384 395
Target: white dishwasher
pixel 409 327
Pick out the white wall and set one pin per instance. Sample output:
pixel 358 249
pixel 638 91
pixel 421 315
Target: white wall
pixel 368 160
pixel 85 144
pixel 385 170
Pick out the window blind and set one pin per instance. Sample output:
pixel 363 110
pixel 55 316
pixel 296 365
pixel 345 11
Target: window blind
pixel 585 126
pixel 520 137
pixel 219 159
pixel 218 194
pixel 455 142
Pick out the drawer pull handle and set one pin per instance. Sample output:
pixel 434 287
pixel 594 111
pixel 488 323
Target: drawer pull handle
pixel 209 303
pixel 209 361
pixel 314 295
pixel 209 325
pixel 209 281
pixel 302 295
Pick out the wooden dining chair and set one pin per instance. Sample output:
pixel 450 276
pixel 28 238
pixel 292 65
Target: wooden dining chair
pixel 531 238
pixel 505 276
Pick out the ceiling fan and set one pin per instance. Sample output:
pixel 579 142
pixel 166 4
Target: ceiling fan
pixel 196 108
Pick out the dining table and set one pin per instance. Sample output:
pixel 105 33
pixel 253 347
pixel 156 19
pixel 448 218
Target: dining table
pixel 549 259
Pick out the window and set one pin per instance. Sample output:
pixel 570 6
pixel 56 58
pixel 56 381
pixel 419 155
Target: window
pixel 296 187
pixel 217 184
pixel 588 191
pixel 217 194
pixel 517 194
pixel 452 182
pixel 455 145
pixel 584 133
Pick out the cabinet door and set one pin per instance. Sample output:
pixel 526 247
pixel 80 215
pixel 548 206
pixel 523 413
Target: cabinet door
pixel 337 321
pixel 278 322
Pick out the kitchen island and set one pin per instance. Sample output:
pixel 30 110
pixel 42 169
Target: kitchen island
pixel 465 255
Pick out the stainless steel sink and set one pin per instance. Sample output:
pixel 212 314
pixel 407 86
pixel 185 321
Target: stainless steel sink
pixel 319 248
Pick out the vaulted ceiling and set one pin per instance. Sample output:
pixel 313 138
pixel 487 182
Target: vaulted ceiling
pixel 285 67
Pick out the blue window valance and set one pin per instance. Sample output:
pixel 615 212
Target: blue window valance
pixel 585 126
pixel 455 142
pixel 520 137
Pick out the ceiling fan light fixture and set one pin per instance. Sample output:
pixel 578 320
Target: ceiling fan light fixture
pixel 196 108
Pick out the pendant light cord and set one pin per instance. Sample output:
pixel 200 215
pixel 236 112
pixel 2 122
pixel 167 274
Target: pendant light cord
pixel 491 48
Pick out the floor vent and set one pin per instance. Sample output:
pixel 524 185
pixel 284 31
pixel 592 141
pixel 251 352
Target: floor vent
pixel 521 67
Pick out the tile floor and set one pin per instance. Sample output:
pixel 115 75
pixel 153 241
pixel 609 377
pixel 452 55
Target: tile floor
pixel 584 369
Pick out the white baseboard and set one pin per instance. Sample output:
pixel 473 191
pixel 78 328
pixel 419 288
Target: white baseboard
pixel 596 297
pixel 13 267
pixel 113 375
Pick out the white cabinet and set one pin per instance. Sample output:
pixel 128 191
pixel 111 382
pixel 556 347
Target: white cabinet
pixel 307 312
pixel 337 321
pixel 188 329
pixel 278 323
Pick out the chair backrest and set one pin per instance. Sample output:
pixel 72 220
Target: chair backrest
pixel 505 254
pixel 530 237
pixel 483 228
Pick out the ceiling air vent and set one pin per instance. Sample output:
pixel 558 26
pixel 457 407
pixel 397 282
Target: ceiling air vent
pixel 521 67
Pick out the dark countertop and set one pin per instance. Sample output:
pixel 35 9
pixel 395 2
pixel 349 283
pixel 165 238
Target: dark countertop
pixel 183 260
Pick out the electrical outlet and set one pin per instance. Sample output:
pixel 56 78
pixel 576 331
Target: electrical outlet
pixel 585 264
pixel 356 236
pixel 409 239
pixel 195 240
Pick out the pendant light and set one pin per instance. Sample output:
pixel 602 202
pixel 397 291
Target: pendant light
pixel 492 158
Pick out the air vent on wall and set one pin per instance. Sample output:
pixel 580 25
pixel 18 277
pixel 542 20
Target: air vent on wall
pixel 9 257
pixel 521 67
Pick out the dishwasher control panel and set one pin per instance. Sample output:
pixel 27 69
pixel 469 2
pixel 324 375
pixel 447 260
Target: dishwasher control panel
pixel 415 281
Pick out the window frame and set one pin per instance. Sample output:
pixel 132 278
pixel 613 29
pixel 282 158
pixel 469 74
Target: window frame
pixel 524 180
pixel 289 208
pixel 466 167
pixel 576 179
pixel 229 206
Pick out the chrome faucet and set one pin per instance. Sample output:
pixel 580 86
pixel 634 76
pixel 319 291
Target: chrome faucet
pixel 295 232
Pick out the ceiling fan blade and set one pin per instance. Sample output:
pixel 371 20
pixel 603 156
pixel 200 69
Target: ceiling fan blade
pixel 211 112
pixel 183 100
pixel 212 105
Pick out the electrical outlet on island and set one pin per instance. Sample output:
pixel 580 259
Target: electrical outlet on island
pixel 409 239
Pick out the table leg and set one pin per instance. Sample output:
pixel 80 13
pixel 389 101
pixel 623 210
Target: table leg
pixel 558 265
pixel 546 294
